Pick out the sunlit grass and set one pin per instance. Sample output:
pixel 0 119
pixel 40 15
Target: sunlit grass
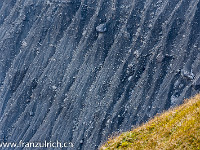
pixel 178 128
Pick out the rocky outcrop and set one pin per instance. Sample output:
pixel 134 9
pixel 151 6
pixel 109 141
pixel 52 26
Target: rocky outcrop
pixel 78 70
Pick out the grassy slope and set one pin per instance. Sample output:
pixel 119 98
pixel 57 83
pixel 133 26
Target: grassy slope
pixel 178 128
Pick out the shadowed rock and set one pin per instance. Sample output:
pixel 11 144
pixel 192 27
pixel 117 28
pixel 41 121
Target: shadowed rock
pixel 65 76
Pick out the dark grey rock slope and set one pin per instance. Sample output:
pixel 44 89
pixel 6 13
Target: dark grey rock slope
pixel 79 70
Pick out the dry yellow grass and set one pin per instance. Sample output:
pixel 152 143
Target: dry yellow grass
pixel 178 128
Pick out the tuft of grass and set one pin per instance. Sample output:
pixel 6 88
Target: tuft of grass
pixel 178 128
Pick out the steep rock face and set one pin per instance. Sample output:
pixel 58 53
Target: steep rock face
pixel 78 70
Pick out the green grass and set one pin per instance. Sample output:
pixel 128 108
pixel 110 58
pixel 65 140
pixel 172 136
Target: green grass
pixel 176 129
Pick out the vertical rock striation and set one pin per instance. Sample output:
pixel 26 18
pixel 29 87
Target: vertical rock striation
pixel 79 70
